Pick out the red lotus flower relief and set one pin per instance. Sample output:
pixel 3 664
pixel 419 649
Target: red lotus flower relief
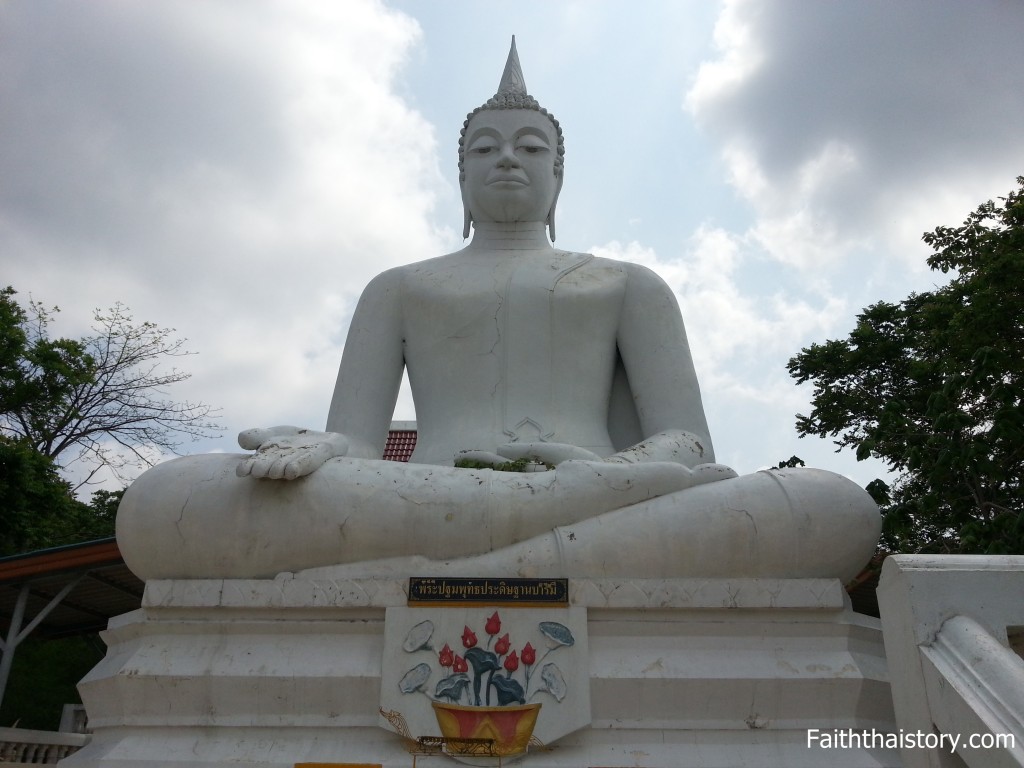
pixel 493 625
pixel 490 672
pixel 529 654
pixel 501 647
pixel 445 658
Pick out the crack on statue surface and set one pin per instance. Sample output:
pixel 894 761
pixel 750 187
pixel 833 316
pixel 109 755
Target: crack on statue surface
pixel 408 498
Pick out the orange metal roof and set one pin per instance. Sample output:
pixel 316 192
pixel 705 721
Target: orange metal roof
pixel 106 588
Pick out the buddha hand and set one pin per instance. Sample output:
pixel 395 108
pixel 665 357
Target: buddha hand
pixel 285 453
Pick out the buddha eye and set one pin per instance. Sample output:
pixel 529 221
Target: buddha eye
pixel 531 145
pixel 483 148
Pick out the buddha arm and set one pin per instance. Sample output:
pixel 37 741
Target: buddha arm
pixel 656 356
pixel 371 369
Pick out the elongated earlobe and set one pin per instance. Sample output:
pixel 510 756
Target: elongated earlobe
pixel 551 212
pixel 467 216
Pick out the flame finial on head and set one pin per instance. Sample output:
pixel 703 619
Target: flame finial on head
pixel 512 80
pixel 512 88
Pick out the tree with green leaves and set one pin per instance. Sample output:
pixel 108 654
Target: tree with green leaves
pixel 933 385
pixel 99 400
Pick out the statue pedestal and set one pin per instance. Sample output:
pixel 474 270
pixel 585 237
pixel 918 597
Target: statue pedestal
pixel 270 673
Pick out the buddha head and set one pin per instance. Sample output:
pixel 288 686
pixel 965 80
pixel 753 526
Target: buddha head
pixel 510 156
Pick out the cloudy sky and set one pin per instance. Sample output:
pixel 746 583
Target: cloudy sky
pixel 240 170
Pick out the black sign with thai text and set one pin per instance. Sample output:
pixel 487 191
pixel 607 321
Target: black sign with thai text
pixel 527 592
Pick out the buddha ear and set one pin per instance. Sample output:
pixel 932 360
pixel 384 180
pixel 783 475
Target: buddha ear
pixel 467 217
pixel 551 212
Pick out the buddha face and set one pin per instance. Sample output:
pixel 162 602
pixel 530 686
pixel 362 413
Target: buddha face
pixel 509 165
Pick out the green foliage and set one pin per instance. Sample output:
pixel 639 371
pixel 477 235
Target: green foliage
pixel 37 374
pixel 523 464
pixel 44 677
pixel 933 387
pixel 35 502
pixel 38 508
pixel 791 463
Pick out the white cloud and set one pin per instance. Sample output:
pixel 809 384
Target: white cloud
pixel 731 331
pixel 845 125
pixel 741 340
pixel 740 56
pixel 848 129
pixel 239 172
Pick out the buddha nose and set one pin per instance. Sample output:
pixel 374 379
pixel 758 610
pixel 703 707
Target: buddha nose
pixel 507 157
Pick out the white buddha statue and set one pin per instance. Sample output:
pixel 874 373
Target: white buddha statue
pixel 513 349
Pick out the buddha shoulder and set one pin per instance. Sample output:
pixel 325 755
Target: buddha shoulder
pixel 620 275
pixel 460 271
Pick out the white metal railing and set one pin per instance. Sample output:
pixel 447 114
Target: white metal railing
pixel 22 746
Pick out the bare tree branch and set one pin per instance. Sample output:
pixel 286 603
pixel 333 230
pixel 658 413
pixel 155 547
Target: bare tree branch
pixel 74 400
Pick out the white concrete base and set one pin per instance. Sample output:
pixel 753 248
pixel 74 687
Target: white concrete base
pixel 682 673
